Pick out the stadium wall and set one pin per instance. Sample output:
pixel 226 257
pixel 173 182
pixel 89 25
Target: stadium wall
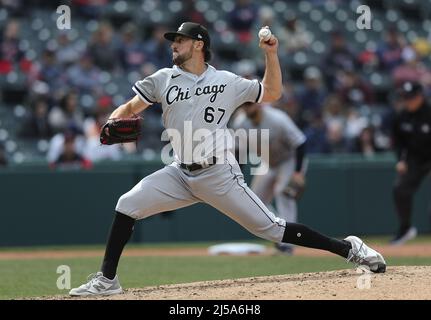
pixel 39 206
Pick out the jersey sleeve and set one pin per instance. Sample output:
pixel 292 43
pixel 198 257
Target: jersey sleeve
pixel 148 88
pixel 247 91
pixel 293 134
pixel 397 140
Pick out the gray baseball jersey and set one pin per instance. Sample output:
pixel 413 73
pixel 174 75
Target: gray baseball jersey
pixel 197 105
pixel 284 135
pixel 204 102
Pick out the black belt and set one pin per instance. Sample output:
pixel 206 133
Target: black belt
pixel 197 166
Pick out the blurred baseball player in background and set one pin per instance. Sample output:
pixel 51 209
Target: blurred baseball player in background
pixel 195 94
pixel 284 180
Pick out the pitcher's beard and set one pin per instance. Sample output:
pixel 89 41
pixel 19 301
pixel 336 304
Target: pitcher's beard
pixel 181 59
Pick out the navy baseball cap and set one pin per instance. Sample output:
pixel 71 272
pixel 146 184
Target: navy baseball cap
pixel 190 30
pixel 410 89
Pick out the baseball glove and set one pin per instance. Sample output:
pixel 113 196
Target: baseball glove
pixel 295 189
pixel 121 130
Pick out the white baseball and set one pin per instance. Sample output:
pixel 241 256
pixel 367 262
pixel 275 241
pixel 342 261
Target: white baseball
pixel 265 34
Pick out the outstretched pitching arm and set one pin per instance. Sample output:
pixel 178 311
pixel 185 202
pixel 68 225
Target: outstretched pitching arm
pixel 272 81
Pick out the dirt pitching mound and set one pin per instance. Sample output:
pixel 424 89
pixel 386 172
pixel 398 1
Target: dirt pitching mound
pixel 396 283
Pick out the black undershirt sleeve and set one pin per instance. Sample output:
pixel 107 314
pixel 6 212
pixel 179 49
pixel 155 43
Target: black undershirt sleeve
pixel 300 153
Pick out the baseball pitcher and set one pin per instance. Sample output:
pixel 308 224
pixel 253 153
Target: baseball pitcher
pixel 197 100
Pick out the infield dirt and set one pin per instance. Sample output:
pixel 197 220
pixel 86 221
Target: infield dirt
pixel 403 282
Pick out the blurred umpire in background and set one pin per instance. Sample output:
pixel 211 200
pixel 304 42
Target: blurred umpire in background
pixel 412 141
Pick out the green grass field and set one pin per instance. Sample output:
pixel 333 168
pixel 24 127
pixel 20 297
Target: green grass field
pixel 38 277
pixel 23 278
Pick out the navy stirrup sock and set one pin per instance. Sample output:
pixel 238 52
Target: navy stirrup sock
pixel 121 230
pixel 304 236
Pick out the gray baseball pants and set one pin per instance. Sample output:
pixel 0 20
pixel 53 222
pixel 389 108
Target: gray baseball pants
pixel 222 186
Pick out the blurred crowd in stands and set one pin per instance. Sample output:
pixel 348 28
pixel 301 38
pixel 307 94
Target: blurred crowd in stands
pixel 339 91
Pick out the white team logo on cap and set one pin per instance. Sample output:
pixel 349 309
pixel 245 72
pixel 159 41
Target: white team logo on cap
pixel 181 27
pixel 408 86
pixel 199 36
